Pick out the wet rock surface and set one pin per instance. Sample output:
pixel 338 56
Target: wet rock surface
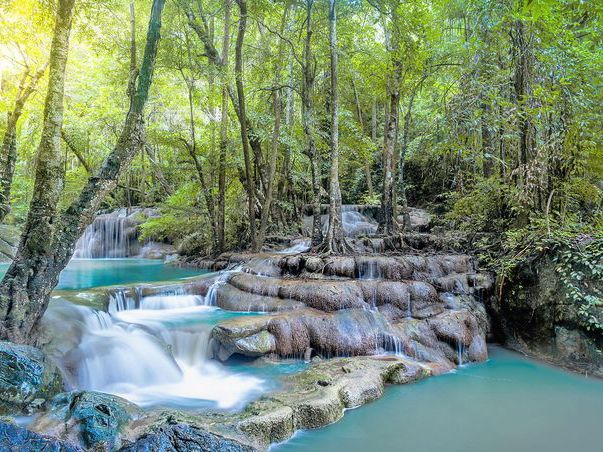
pixel 536 318
pixel 18 439
pixel 27 378
pixel 90 419
pixel 427 307
pixel 184 438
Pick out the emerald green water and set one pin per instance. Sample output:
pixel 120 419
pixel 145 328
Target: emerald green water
pixel 88 273
pixel 509 403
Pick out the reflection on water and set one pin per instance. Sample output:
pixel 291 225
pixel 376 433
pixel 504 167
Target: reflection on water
pixel 509 403
pixel 88 273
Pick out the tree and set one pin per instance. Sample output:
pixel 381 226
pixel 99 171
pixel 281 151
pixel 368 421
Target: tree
pixel 8 154
pixel 49 237
pixel 308 77
pixel 334 241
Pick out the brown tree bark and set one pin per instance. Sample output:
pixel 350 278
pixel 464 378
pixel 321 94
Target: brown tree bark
pixel 276 108
pixel 334 241
pixel 308 123
pixel 249 177
pixel 8 156
pixel 49 238
pixel 223 131
pixel 387 220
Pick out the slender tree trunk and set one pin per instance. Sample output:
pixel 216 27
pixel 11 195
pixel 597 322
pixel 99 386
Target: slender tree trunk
pixel 487 142
pixel 387 220
pixel 8 156
pixel 192 151
pixel 277 108
pixel 521 42
pixel 334 241
pixel 223 131
pixel 367 161
pixel 285 180
pixel 309 126
pixel 48 240
pixel 249 179
pixel 374 121
pixel 402 160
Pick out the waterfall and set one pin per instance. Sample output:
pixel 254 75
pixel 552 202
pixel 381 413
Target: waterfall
pixel 111 235
pixel 356 221
pixel 149 349
pixel 300 247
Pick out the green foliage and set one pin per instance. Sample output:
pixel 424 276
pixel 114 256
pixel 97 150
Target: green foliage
pixel 490 206
pixel 579 264
pixel 179 217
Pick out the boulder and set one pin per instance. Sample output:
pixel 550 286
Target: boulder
pixel 232 299
pixel 184 438
pixel 319 395
pixel 90 419
pixel 27 378
pixel 18 439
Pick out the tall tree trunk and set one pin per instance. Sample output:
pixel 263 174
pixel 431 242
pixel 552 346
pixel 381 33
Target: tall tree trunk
pixel 487 142
pixel 521 42
pixel 8 157
pixel 402 159
pixel 223 131
pixel 309 126
pixel 286 181
pixel 367 161
pixel 192 151
pixel 48 240
pixel 334 241
pixel 249 178
pixel 387 220
pixel 277 108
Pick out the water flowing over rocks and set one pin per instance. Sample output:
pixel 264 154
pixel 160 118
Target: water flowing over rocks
pixel 116 235
pixel 358 322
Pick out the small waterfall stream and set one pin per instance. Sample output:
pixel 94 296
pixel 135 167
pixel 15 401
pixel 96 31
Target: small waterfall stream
pixel 355 222
pixel 111 235
pixel 148 349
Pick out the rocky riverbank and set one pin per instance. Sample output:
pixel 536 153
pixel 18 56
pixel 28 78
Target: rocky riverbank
pixel 361 322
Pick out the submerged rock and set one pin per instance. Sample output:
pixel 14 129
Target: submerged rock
pixel 87 418
pixel 318 396
pixel 18 439
pixel 184 438
pixel 27 378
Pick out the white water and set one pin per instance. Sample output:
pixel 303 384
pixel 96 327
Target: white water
pixel 300 247
pixel 158 353
pixel 115 235
pixel 354 223
pixel 110 235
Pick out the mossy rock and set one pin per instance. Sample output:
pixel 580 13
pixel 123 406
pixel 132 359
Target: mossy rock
pixel 27 378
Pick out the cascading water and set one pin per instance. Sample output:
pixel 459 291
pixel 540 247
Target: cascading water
pixel 355 223
pixel 300 247
pixel 111 235
pixel 148 349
